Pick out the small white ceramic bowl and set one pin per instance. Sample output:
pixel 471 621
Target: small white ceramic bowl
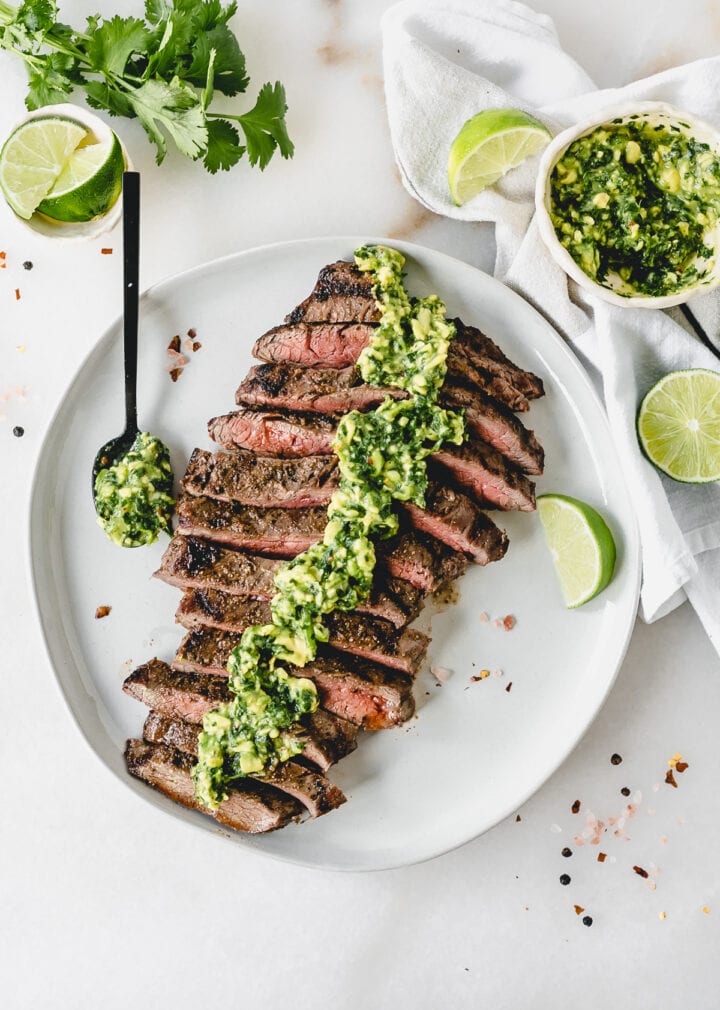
pixel 656 112
pixel 70 231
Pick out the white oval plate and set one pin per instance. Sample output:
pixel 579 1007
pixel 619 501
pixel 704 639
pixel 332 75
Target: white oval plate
pixel 475 751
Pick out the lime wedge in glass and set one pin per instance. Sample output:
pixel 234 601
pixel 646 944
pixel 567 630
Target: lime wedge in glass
pixel 678 425
pixel 488 146
pixel 89 184
pixel 33 157
pixel 581 545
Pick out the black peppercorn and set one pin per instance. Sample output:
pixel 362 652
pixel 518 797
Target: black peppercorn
pixel 564 879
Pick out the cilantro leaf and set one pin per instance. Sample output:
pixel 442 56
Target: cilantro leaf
pixel 176 107
pixel 157 11
pixel 264 126
pixel 230 76
pixel 36 15
pixel 48 81
pixel 223 146
pixel 113 42
pixel 101 95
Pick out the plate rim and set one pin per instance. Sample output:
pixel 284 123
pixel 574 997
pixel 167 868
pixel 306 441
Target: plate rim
pixel 631 547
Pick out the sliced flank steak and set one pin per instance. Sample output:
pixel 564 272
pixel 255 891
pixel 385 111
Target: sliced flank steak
pixel 481 470
pixel 284 532
pixel 316 793
pixel 187 695
pixel 420 560
pixel 371 696
pixel 449 516
pixel 189 563
pixel 336 391
pixel 251 806
pixel 482 352
pixel 274 433
pixel 249 479
pixel 368 637
pixel 342 294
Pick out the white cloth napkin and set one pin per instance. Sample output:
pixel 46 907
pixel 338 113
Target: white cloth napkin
pixel 445 60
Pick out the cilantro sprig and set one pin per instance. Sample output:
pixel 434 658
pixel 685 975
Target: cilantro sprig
pixel 163 69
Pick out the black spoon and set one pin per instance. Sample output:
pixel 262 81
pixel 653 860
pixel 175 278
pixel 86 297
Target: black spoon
pixel 117 447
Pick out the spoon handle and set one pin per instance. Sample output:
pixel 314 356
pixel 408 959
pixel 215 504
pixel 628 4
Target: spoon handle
pixel 131 261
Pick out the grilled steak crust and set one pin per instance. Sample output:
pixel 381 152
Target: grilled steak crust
pixel 496 425
pixel 479 469
pixel 314 345
pixel 420 560
pixel 457 521
pixel 249 479
pixel 371 696
pixel 189 563
pixel 284 532
pixel 253 807
pixel 342 294
pixel 316 793
pixel 336 391
pixel 368 637
pixel 274 433
pixel 482 352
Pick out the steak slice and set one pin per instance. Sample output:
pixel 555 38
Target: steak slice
pixel 316 793
pixel 365 693
pixel 483 472
pixel 320 390
pixel 323 345
pixel 495 424
pixel 190 563
pixel 285 532
pixel 249 479
pixel 482 352
pixel 342 293
pixel 253 807
pixel 453 518
pixel 421 560
pixel 274 433
pixel 368 637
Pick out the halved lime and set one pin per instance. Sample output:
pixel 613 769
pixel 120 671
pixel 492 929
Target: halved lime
pixel 678 425
pixel 581 545
pixel 33 157
pixel 488 146
pixel 88 185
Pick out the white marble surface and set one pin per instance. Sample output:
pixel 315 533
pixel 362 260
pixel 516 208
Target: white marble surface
pixel 106 901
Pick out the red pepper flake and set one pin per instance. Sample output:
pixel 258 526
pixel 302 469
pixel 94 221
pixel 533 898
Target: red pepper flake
pixel 17 294
pixel 174 344
pixel 602 856
pixel 575 808
pixel 106 252
pixel 670 779
pixel 640 872
pixel 681 766
pixel 196 345
pixel 517 818
pixel 175 374
pixel 578 909
pixel 3 257
pixel 509 687
pixel 102 612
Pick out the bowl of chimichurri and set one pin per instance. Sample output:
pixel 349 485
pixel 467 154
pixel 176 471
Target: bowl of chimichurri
pixel 628 203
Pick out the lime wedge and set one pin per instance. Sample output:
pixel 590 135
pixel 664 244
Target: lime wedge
pixel 33 157
pixel 88 185
pixel 581 545
pixel 678 425
pixel 488 146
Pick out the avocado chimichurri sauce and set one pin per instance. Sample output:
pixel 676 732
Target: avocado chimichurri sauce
pixel 636 203
pixel 133 494
pixel 381 457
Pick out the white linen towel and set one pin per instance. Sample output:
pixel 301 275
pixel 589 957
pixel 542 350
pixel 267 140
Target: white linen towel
pixel 444 61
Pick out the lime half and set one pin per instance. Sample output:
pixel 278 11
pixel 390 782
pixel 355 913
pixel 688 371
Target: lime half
pixel 581 545
pixel 488 146
pixel 88 185
pixel 678 425
pixel 33 157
